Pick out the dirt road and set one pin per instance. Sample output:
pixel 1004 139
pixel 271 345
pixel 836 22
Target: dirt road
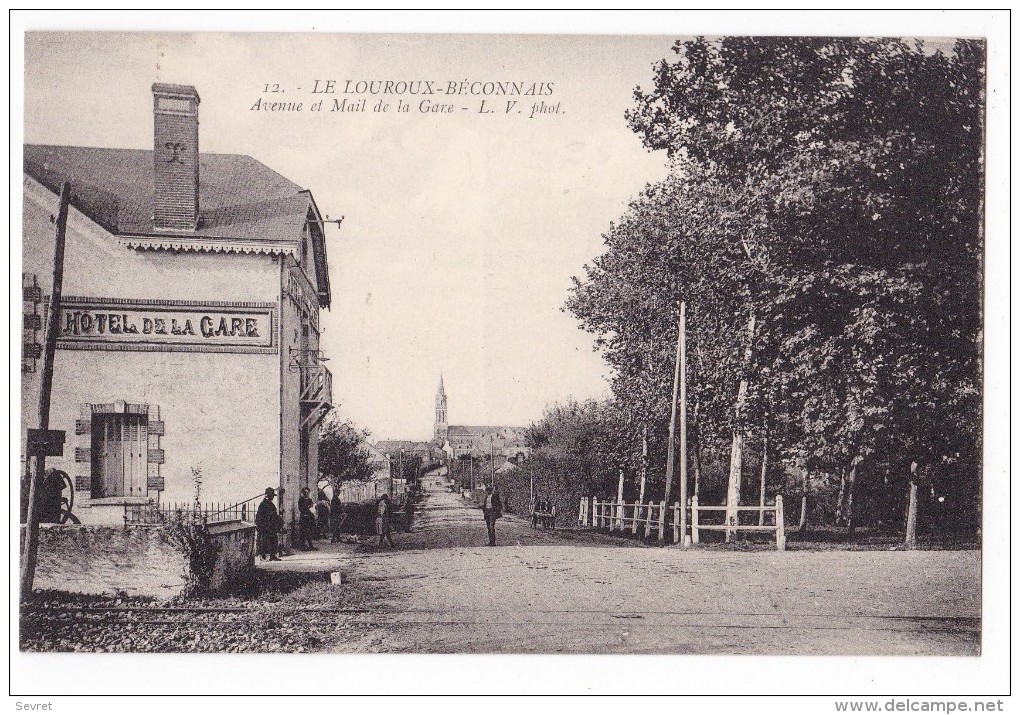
pixel 443 590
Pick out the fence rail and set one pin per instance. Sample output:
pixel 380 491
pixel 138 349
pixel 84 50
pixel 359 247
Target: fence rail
pixel 354 492
pixel 664 520
pixel 154 514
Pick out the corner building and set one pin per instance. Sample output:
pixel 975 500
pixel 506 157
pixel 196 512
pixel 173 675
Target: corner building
pixel 189 324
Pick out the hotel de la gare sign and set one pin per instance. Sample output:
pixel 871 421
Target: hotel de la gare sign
pixel 92 323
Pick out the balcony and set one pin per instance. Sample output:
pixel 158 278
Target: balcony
pixel 316 387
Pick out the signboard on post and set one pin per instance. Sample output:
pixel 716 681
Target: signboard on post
pixel 45 443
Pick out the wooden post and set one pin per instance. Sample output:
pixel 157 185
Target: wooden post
pixel 580 513
pixel 663 508
pixel 45 390
pixel 695 535
pixel 637 513
pixel 676 523
pixel 595 512
pixel 648 519
pixel 683 423
pixel 780 524
pixel 671 446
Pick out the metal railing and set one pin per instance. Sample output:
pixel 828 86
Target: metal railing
pixel 168 513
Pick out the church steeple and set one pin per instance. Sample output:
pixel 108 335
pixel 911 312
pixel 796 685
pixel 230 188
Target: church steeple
pixel 441 423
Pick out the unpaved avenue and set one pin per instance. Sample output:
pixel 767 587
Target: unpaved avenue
pixel 443 590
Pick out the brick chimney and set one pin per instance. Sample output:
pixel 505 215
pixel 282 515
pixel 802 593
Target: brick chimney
pixel 175 157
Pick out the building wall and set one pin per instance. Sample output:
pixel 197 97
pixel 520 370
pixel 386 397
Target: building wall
pixel 220 414
pixel 297 471
pixel 220 410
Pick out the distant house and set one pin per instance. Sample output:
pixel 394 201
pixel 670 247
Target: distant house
pixel 379 461
pixel 392 448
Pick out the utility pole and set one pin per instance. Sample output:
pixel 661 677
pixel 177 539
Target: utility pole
pixel 685 540
pixel 671 447
pixel 45 390
pixel 400 471
pixel 492 464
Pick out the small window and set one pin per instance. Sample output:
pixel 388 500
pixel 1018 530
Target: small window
pixel 119 455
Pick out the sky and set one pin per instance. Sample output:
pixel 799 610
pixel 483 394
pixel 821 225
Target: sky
pixel 461 230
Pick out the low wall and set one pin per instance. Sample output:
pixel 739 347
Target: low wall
pixel 234 542
pixel 138 560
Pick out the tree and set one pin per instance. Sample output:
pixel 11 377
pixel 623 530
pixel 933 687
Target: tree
pixel 342 456
pixel 822 219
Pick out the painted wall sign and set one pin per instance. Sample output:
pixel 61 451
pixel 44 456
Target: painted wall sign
pixel 107 324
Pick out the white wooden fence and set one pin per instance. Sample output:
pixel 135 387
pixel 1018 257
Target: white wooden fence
pixel 354 492
pixel 662 520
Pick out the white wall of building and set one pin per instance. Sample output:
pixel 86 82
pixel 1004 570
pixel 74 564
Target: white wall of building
pixel 221 410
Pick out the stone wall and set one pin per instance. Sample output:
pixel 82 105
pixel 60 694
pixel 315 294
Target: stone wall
pixel 137 560
pixel 235 555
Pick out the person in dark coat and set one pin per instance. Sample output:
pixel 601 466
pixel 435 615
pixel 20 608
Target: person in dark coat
pixel 306 520
pixel 322 516
pixel 408 513
pixel 492 509
pixel 336 517
pixel 382 519
pixel 267 523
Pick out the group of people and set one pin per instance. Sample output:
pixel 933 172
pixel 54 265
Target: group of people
pixel 543 512
pixel 269 523
pixel 311 516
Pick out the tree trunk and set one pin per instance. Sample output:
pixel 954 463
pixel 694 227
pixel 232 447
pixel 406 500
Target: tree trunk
pixel 671 445
pixel 619 501
pixel 847 490
pixel 696 447
pixel 840 497
pixel 737 447
pixel 699 363
pixel 910 540
pixel 764 472
pixel 802 526
pixel 644 463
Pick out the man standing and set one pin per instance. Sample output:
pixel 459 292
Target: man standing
pixel 267 521
pixel 306 519
pixel 492 509
pixel 382 520
pixel 336 517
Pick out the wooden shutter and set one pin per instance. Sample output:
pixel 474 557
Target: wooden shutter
pixel 136 451
pixel 110 456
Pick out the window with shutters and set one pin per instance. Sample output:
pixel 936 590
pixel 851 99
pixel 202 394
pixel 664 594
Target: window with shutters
pixel 120 455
